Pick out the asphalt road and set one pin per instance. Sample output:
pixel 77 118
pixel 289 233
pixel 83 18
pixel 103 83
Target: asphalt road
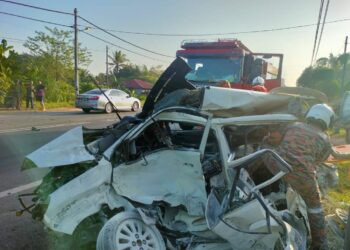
pixel 17 139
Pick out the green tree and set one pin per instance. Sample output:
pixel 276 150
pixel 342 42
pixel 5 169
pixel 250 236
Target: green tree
pixel 100 78
pixel 132 71
pixel 5 71
pixel 86 80
pixel 119 60
pixel 54 51
pixel 326 76
pixel 51 60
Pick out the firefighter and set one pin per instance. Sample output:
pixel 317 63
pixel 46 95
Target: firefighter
pixel 304 146
pixel 224 84
pixel 259 84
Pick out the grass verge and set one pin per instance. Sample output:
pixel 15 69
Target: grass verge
pixel 341 193
pixel 54 105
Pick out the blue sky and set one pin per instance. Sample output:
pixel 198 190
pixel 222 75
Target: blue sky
pixel 193 17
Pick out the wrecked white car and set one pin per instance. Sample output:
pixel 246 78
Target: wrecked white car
pixel 185 173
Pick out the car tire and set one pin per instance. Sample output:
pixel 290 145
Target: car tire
pixel 108 108
pixel 126 230
pixel 135 106
pixel 86 110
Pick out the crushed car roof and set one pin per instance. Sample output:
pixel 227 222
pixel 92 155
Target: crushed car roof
pixel 172 89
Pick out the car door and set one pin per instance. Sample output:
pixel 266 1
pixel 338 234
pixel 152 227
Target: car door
pixel 115 98
pixel 173 176
pixel 159 167
pixel 124 99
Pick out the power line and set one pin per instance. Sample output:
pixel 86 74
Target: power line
pixel 182 35
pixel 123 40
pixel 34 19
pixel 225 33
pixel 317 28
pixel 136 53
pixel 36 7
pixel 63 25
pixel 14 39
pixel 324 20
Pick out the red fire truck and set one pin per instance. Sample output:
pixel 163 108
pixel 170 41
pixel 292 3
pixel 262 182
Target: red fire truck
pixel 230 59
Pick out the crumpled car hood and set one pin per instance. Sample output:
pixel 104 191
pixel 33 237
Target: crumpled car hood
pixel 66 149
pixel 173 78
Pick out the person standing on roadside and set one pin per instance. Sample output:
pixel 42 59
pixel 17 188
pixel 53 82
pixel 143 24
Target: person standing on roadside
pixel 41 95
pixel 30 95
pixel 304 146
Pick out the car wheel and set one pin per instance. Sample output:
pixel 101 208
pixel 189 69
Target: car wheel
pixel 135 106
pixel 86 110
pixel 108 108
pixel 126 230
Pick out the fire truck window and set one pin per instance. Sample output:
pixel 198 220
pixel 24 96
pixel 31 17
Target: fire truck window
pixel 208 69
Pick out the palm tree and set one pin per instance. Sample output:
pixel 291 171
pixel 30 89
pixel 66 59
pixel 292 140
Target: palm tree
pixel 118 60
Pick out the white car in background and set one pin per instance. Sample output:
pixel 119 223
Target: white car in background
pixel 95 100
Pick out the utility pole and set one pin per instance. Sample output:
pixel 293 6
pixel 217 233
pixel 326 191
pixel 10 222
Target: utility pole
pixel 106 65
pixel 76 72
pixel 344 66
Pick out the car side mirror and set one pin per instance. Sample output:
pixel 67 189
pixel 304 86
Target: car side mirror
pixel 128 96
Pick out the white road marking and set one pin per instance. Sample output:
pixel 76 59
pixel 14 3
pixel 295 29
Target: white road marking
pixel 19 189
pixel 41 127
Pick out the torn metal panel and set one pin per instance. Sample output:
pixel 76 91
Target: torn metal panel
pixel 268 119
pixel 244 227
pixel 180 117
pixel 172 79
pixel 173 176
pixel 233 102
pixel 172 99
pixel 80 198
pixel 306 93
pixel 177 219
pixel 66 149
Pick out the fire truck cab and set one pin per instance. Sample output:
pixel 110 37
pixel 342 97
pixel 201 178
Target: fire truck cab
pixel 231 60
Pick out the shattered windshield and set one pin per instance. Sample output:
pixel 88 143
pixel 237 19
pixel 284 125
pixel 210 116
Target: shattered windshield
pixel 214 69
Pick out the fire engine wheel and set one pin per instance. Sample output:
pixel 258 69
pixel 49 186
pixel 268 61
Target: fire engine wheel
pixel 108 108
pixel 126 230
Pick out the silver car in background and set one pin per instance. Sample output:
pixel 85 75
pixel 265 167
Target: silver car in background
pixel 95 100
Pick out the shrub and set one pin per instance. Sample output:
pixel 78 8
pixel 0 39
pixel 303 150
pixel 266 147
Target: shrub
pixel 59 91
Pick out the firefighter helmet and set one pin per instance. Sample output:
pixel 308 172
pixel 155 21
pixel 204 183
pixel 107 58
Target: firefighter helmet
pixel 321 113
pixel 258 81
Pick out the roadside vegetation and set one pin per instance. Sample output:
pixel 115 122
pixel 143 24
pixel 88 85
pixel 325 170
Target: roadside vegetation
pixel 341 193
pixel 327 76
pixel 49 58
